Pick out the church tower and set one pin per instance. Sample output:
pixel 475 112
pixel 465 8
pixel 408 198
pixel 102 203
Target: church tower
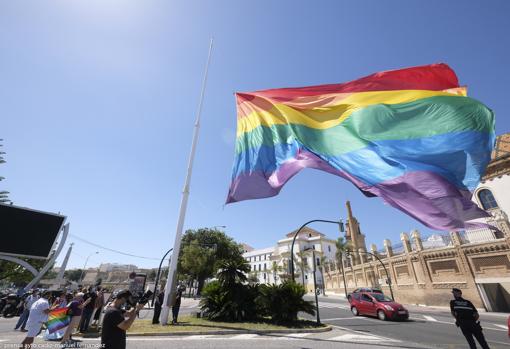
pixel 354 236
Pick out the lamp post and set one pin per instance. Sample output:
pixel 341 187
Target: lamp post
pixel 315 283
pixel 157 276
pixel 340 226
pixel 159 270
pixel 85 265
pixel 385 270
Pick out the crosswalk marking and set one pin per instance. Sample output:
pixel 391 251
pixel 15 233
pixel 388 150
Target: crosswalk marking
pixel 355 337
pixel 429 318
pixel 359 333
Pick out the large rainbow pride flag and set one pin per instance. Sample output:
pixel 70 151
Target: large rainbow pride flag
pixel 58 319
pixel 410 136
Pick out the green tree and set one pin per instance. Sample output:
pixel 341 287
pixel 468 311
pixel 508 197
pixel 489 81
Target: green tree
pixel 283 302
pixel 302 265
pixel 11 272
pixel 232 271
pixel 253 277
pixel 73 274
pixel 323 261
pixel 275 269
pixel 152 275
pixel 229 298
pixel 342 246
pixel 202 252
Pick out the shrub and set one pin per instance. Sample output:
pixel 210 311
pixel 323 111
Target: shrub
pixel 233 303
pixel 283 302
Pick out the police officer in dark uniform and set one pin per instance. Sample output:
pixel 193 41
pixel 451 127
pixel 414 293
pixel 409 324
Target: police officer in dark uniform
pixel 466 317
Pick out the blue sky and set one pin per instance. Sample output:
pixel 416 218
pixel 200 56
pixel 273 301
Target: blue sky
pixel 98 100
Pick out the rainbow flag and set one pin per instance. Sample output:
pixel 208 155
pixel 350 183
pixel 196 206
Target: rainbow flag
pixel 410 136
pixel 58 319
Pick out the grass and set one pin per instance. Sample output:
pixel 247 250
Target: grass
pixel 192 324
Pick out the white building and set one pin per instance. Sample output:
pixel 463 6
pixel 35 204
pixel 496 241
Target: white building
pixel 108 267
pixel 260 263
pixel 492 192
pixel 271 265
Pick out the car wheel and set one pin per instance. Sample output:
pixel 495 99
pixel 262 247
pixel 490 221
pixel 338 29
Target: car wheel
pixel 381 315
pixel 355 311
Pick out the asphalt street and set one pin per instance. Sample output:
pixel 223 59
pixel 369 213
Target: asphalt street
pixel 427 328
pixel 431 327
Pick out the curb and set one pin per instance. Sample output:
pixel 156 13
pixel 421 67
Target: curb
pixel 221 332
pixel 228 332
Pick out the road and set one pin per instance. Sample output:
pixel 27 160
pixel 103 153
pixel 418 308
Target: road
pixel 337 338
pixel 427 328
pixel 433 327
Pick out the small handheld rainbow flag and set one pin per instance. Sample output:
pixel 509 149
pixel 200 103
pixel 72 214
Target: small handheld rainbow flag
pixel 58 319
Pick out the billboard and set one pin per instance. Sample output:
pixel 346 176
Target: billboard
pixel 28 233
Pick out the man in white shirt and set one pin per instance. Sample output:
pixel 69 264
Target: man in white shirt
pixel 29 301
pixel 37 317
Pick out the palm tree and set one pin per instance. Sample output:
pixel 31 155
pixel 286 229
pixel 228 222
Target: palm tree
pixel 302 265
pixel 323 261
pixel 232 272
pixel 275 268
pixel 342 246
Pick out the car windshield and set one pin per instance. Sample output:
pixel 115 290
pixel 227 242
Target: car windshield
pixel 381 298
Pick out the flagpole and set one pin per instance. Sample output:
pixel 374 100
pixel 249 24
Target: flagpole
pixel 171 281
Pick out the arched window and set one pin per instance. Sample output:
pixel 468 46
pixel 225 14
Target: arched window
pixel 487 199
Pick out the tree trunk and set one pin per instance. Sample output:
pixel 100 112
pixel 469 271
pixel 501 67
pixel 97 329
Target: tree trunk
pixel 200 286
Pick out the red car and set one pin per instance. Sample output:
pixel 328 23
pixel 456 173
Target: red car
pixel 377 304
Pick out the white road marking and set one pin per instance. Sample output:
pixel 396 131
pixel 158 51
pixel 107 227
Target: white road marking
pixel 429 318
pixel 381 338
pixel 354 337
pixel 501 326
pixel 297 335
pixel 245 336
pixel 333 305
pixel 345 318
pixel 453 323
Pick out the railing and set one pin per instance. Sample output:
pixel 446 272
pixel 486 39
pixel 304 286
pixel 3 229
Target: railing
pixel 437 240
pixel 398 249
pixel 478 235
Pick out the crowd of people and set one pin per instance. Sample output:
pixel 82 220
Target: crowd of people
pixel 89 309
pixel 84 307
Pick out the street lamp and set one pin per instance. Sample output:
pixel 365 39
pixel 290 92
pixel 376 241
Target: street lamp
pixel 159 270
pixel 385 270
pixel 85 265
pixel 314 282
pixel 340 226
pixel 157 276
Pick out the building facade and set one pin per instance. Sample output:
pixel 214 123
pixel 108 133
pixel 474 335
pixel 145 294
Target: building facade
pixel 422 270
pixel 260 263
pixel 272 264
